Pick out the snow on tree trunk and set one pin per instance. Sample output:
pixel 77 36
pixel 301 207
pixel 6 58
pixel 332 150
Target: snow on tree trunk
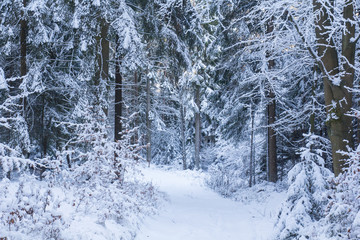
pixel 148 122
pixel 271 115
pixel 118 100
pixel 338 97
pixel 23 67
pixel 252 150
pixel 197 128
pixel 183 136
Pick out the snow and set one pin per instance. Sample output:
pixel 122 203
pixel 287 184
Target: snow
pixel 3 84
pixel 96 3
pixel 193 211
pixel 33 209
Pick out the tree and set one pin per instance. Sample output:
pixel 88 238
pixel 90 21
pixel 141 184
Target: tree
pixel 305 202
pixel 23 66
pixel 337 73
pixel 320 33
pixel 343 209
pixel 271 116
pixel 118 99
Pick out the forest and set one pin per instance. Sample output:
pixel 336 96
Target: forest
pixel 251 93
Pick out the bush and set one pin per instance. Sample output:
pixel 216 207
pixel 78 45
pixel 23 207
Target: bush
pixel 305 203
pixel 343 213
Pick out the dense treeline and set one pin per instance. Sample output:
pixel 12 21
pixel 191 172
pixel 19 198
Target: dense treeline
pixel 246 89
pixel 178 80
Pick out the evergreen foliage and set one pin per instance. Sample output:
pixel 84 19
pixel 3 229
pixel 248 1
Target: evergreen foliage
pixel 247 90
pixel 306 198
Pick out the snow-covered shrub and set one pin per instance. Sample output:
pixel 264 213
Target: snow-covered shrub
pixel 165 147
pixel 305 203
pixel 29 208
pixel 14 132
pixel 91 189
pixel 33 209
pixel 228 172
pixel 343 214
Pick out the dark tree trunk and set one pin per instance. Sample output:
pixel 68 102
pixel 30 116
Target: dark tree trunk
pixel 103 59
pixel 312 116
pixel 68 159
pixel 272 157
pixel 252 154
pixel 197 128
pixel 271 115
pixel 118 100
pixel 183 137
pixel 137 79
pixel 338 98
pixel 103 54
pixel 148 122
pixel 23 67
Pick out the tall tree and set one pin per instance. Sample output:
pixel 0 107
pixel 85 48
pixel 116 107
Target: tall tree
pixel 337 74
pixel 271 116
pixel 23 42
pixel 118 99
pixel 148 121
pixel 102 57
pixel 197 127
pixel 318 33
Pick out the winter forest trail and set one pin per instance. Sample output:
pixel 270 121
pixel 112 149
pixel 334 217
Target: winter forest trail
pixel 194 212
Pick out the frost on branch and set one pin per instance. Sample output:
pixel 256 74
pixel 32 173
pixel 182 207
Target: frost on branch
pixel 343 212
pixel 304 206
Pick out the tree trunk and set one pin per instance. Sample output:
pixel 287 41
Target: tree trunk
pixel 103 59
pixel 68 158
pixel 312 116
pixel 44 137
pixel 183 137
pixel 103 54
pixel 271 114
pixel 23 67
pixel 338 99
pixel 135 137
pixel 118 100
pixel 197 128
pixel 148 122
pixel 272 157
pixel 137 80
pixel 252 165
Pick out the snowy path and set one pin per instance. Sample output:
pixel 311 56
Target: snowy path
pixel 194 212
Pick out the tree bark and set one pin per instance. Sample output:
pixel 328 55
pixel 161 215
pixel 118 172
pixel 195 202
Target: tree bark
pixel 103 54
pixel 271 115
pixel 23 50
pixel 338 99
pixel 118 100
pixel 197 128
pixel 183 137
pixel 137 79
pixel 252 165
pixel 272 157
pixel 23 66
pixel 148 122
pixel 312 116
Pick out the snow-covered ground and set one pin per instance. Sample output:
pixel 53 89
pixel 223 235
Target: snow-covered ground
pixel 94 210
pixel 193 211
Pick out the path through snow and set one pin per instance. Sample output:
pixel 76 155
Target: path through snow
pixel 194 212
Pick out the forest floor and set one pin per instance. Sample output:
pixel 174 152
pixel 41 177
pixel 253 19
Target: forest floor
pixel 193 211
